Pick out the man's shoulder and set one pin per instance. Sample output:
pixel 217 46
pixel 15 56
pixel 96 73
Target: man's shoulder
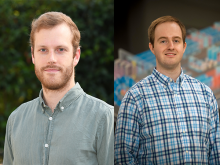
pixel 145 83
pixel 100 105
pixel 199 84
pixel 28 104
pixel 24 107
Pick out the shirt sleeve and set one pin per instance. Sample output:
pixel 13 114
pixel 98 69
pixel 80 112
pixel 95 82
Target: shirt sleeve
pixel 105 141
pixel 8 154
pixel 127 132
pixel 214 157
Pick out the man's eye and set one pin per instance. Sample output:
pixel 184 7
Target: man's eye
pixel 61 49
pixel 43 50
pixel 163 41
pixel 176 41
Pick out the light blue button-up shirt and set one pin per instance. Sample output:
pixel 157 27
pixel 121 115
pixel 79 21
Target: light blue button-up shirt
pixel 168 123
pixel 79 132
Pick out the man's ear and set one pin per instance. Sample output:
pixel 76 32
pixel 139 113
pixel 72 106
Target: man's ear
pixel 184 47
pixel 77 57
pixel 32 55
pixel 151 47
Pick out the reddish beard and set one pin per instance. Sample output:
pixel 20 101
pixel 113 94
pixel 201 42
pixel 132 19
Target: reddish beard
pixel 49 81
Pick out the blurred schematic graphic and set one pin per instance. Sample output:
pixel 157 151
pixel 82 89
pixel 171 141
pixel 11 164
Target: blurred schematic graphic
pixel 201 60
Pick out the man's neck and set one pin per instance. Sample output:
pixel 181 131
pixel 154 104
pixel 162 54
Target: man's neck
pixel 52 97
pixel 172 73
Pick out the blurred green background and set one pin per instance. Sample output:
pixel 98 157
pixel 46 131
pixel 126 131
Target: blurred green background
pixel 18 83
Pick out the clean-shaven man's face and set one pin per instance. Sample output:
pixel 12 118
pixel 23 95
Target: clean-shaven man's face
pixel 53 57
pixel 168 46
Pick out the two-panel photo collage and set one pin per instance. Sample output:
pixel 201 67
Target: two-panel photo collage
pixel 104 82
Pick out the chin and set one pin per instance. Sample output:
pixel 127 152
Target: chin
pixel 53 86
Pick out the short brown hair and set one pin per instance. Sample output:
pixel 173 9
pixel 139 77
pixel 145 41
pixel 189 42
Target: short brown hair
pixel 51 19
pixel 152 27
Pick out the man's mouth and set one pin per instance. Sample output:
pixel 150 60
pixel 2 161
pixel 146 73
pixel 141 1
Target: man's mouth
pixel 51 70
pixel 170 54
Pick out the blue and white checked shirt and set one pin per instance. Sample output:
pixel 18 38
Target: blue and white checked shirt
pixel 163 122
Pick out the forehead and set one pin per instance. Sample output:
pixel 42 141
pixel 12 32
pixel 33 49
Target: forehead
pixel 60 34
pixel 168 29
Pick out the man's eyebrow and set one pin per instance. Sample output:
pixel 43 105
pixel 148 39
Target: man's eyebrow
pixel 161 38
pixel 62 46
pixel 177 37
pixel 58 46
pixel 40 46
pixel 167 37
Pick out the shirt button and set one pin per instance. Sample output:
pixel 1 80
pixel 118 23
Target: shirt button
pixel 186 151
pixel 62 108
pixel 46 145
pixel 50 118
pixel 184 132
pixel 170 80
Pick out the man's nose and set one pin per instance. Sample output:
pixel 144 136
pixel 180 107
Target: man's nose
pixel 52 57
pixel 171 45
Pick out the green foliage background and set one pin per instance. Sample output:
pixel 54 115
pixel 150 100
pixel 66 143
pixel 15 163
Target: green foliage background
pixel 18 83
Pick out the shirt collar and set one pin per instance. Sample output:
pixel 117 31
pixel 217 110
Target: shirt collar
pixel 67 99
pixel 164 80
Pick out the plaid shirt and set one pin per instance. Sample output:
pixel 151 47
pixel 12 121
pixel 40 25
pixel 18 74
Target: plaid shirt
pixel 163 122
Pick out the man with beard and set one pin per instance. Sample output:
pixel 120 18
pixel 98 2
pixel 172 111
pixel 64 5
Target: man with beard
pixel 63 125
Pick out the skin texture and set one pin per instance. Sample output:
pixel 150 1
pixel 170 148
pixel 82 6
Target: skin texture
pixel 54 63
pixel 168 49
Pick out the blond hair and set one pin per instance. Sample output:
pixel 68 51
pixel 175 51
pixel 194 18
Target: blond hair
pixel 51 19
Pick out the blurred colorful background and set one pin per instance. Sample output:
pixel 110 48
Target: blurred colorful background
pixel 134 60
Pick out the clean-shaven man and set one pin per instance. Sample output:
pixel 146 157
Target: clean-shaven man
pixel 64 125
pixel 168 117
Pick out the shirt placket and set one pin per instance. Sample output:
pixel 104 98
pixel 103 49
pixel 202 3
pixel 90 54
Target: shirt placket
pixel 182 123
pixel 48 137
